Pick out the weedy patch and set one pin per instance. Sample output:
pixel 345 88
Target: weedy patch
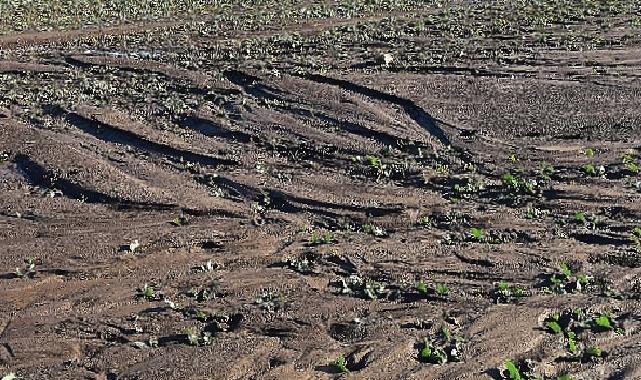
pixel 518 186
pixel 468 189
pixel 194 337
pixel 636 238
pixel 28 270
pixel 271 301
pixel 436 290
pixel 340 364
pixel 363 287
pixel 478 235
pixel 373 167
pixel 318 238
pixel 630 164
pixel 149 293
pixel 375 230
pixel 503 292
pixel 565 281
pixel 525 370
pixel 575 324
pixel 180 220
pixel 535 213
pixel 441 348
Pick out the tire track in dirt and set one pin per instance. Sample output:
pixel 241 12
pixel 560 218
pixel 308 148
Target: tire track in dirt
pixel 113 134
pixel 416 113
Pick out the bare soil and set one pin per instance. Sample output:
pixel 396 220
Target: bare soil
pixel 260 173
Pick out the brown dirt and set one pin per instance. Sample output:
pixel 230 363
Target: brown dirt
pixel 262 155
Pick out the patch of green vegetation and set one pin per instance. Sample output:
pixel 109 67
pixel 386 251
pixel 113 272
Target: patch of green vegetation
pixel 578 322
pixel 566 281
pixel 503 292
pixel 519 186
pixel 441 348
pixel 373 230
pixel 340 364
pixel 149 293
pixel 477 234
pixel 525 370
pixel 630 163
pixel 316 238
pixel 28 270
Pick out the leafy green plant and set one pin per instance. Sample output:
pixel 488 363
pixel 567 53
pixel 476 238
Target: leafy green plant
pixel 9 376
pixel 373 230
pixel 421 287
pixel 340 364
pixel 503 292
pixel 477 234
pixel 524 370
pixel 442 348
pixel 565 281
pixel 589 152
pixel 513 372
pixel 554 327
pixel 317 238
pixel 149 293
pixel 630 163
pixel 179 221
pixel 579 217
pixel 593 352
pixel 441 290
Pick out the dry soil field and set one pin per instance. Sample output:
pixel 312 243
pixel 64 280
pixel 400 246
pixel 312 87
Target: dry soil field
pixel 320 189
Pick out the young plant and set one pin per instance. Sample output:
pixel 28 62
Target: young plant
pixel 441 290
pixel 29 269
pixel 477 234
pixel 340 364
pixel 566 281
pixel 630 163
pixel 579 218
pixel 504 293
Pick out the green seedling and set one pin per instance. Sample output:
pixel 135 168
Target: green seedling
pixel 572 346
pixel 147 292
pixel 29 269
pixel 630 163
pixel 441 351
pixel 589 152
pixel 603 321
pixel 579 217
pixel 513 372
pixel 547 170
pixel 421 287
pixel 201 316
pixel 593 352
pixel 341 364
pixel 192 336
pixel 424 221
pixel 373 230
pixel 504 293
pixel 9 376
pixel 589 170
pixel 477 234
pixel 179 221
pixel 441 290
pixel 554 327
